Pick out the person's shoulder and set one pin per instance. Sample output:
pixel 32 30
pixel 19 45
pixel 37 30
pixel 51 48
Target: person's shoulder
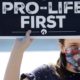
pixel 44 72
pixel 35 73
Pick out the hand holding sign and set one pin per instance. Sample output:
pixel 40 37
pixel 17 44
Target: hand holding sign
pixel 23 43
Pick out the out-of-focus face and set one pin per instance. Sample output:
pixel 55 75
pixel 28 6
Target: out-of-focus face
pixel 71 49
pixel 70 43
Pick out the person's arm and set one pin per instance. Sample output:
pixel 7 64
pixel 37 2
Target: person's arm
pixel 13 68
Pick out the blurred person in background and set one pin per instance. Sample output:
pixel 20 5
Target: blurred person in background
pixel 67 67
